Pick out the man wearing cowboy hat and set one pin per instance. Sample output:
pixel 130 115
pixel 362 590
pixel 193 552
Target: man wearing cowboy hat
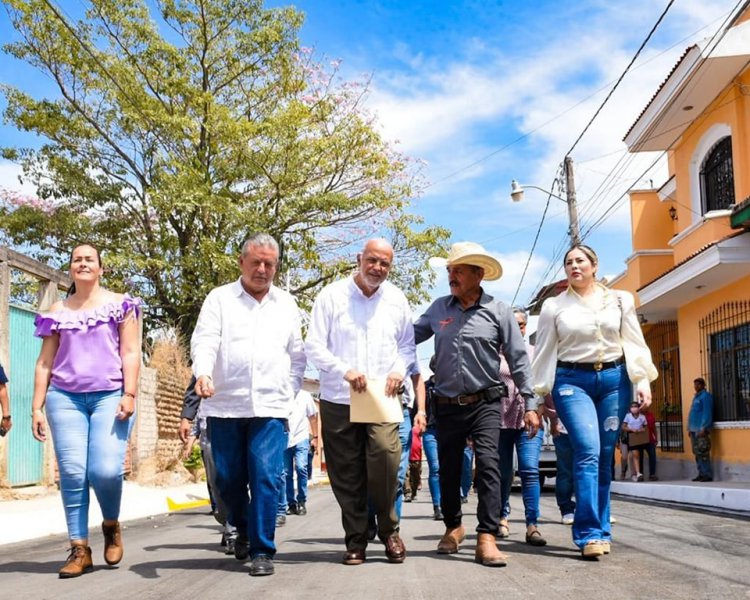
pixel 471 328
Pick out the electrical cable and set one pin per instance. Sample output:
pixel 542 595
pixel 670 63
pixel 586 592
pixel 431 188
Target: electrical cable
pixel 622 76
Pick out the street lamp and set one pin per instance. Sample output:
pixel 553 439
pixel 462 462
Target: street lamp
pixel 516 194
pixel 517 190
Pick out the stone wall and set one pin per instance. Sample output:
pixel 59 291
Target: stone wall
pixel 146 435
pixel 170 390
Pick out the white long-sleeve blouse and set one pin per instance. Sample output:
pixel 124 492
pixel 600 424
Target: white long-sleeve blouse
pixel 600 328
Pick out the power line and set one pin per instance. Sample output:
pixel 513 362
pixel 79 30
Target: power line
pixel 566 111
pixel 619 79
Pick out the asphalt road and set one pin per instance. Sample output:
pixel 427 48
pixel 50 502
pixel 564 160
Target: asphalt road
pixel 658 552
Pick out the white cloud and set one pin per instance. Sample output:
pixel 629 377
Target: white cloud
pixel 446 112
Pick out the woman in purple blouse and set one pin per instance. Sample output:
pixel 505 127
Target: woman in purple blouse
pixel 87 376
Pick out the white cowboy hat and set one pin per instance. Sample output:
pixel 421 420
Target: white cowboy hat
pixel 469 253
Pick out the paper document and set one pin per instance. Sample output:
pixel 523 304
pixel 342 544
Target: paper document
pixel 373 406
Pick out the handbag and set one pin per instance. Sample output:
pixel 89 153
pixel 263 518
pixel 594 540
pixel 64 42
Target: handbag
pixel 638 438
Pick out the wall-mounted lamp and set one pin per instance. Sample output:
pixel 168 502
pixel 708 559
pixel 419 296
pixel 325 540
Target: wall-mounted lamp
pixel 642 319
pixel 673 213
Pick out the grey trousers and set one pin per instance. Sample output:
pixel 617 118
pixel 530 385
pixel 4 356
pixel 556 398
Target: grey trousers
pixel 362 459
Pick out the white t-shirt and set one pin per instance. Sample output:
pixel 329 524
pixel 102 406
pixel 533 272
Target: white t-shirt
pixel 635 423
pixel 303 407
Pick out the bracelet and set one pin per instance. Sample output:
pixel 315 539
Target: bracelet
pixel 129 394
pixel 37 410
pixel 315 437
pixel 421 412
pixel 6 417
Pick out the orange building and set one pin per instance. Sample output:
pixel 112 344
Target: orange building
pixel 690 266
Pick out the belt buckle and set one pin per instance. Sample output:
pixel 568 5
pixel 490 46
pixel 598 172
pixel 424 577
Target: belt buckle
pixel 598 365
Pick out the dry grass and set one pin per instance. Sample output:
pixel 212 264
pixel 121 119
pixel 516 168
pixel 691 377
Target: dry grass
pixel 170 356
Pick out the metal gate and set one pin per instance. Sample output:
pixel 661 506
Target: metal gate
pixel 25 454
pixel 663 341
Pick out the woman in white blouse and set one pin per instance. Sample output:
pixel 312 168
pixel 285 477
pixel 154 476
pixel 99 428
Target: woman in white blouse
pixel 589 348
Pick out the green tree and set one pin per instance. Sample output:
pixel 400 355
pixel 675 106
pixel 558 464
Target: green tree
pixel 175 132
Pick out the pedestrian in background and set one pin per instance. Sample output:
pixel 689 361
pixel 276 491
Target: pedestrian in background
pixel 513 435
pixel 430 445
pixel 6 422
pixel 191 425
pixel 415 466
pixel 564 463
pixel 87 378
pixel 650 448
pixel 700 419
pixel 467 471
pixel 589 348
pixel 248 361
pixel 302 421
pixel 635 423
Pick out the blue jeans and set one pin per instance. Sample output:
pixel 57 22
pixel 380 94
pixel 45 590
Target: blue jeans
pixel 467 471
pixel 591 406
pixel 702 453
pixel 90 445
pixel 430 447
pixel 404 434
pixel 249 452
pixel 310 456
pixel 295 460
pixel 528 468
pixel 564 477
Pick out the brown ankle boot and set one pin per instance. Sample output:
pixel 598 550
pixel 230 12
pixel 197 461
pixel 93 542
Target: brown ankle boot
pixel 78 562
pixel 452 537
pixel 112 543
pixel 487 553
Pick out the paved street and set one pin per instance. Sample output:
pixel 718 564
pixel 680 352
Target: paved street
pixel 659 552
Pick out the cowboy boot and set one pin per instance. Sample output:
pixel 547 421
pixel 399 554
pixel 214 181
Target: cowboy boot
pixel 487 553
pixel 452 537
pixel 78 561
pixel 112 543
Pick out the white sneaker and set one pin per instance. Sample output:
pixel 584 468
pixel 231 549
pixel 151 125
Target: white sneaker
pixel 612 519
pixel 567 519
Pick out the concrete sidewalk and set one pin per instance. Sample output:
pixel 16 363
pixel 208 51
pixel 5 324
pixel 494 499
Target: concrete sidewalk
pixel 714 495
pixel 42 516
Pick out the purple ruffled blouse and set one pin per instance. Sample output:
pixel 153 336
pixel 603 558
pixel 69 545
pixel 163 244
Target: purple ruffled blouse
pixel 88 357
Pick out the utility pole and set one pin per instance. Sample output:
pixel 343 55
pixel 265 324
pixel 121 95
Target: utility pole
pixel 570 191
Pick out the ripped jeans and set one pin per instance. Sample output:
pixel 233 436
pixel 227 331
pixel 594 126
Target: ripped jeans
pixel 591 405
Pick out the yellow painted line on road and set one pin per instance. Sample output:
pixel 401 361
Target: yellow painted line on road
pixel 173 506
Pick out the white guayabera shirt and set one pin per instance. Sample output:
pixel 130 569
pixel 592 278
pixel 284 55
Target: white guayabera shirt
pixel 252 350
pixel 348 330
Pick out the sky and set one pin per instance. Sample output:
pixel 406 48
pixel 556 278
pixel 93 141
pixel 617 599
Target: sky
pixel 485 92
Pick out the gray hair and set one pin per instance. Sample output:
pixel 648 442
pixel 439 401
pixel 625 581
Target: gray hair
pixel 260 239
pixel 520 310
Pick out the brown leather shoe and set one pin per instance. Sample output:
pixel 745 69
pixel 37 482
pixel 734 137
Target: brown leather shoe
pixel 112 543
pixel 394 548
pixel 78 562
pixel 487 553
pixel 354 557
pixel 452 537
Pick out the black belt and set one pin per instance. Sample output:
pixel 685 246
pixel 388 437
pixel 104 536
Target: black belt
pixel 493 393
pixel 595 366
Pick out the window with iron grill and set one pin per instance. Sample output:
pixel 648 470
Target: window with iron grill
pixel 717 177
pixel 725 341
